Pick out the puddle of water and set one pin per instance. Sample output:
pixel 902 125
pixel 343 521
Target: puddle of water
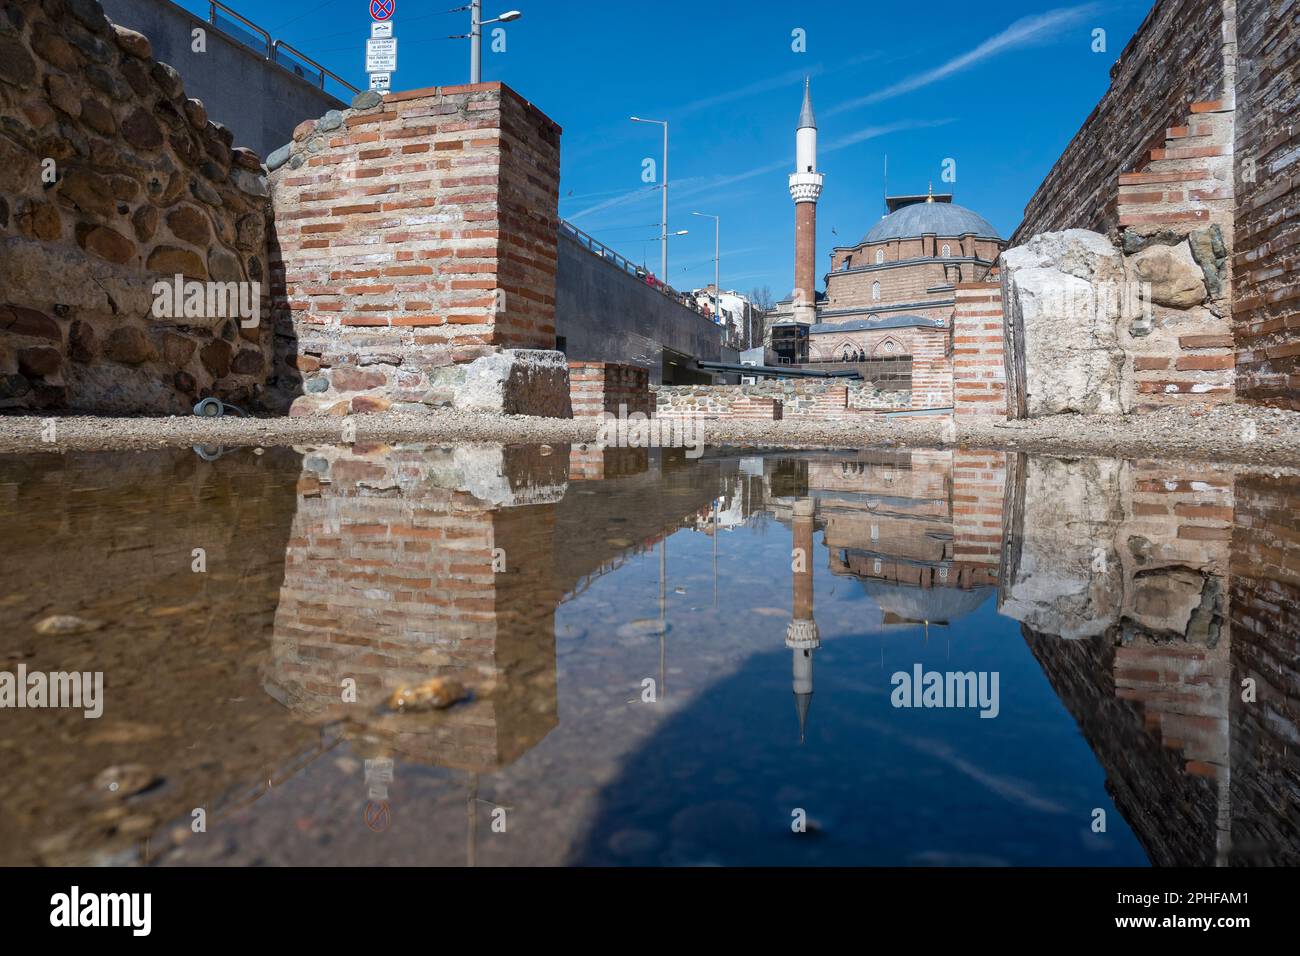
pixel 875 657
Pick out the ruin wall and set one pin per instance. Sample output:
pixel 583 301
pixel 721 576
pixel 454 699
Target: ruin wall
pixel 116 193
pixel 1178 56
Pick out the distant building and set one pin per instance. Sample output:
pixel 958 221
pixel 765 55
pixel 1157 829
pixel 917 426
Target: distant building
pixel 736 315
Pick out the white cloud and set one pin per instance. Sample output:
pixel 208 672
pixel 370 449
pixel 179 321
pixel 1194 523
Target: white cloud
pixel 1021 33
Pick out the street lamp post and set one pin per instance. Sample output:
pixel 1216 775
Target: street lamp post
pixel 475 35
pixel 717 289
pixel 663 218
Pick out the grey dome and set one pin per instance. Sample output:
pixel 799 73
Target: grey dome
pixel 937 218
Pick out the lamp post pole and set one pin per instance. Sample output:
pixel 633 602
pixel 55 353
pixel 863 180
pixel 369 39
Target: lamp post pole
pixel 476 41
pixel 717 288
pixel 475 35
pixel 663 216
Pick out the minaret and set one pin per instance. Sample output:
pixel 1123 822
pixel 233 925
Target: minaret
pixel 805 189
pixel 801 635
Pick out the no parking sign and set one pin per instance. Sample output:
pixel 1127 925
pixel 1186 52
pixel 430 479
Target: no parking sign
pixel 382 9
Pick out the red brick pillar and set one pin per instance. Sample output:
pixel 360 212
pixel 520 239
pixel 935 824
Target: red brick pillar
pixel 417 233
pixel 979 381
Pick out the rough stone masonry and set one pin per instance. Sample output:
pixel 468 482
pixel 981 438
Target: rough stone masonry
pixel 112 181
pixel 414 255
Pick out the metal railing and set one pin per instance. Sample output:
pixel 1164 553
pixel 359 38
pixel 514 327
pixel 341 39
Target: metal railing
pixel 598 248
pixel 270 49
pixel 322 72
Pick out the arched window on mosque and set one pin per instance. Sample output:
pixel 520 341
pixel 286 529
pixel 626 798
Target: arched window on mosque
pixel 947 250
pixel 848 261
pixel 880 256
pixel 875 292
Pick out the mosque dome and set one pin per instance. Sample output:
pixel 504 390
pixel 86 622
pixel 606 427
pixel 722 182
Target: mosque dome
pixel 931 218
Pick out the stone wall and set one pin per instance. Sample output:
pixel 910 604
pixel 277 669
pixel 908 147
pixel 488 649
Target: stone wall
pixel 414 241
pixel 1092 328
pixel 1265 313
pixel 826 399
pixel 979 381
pixel 112 180
pixel 1183 53
pixel 599 387
pixel 713 402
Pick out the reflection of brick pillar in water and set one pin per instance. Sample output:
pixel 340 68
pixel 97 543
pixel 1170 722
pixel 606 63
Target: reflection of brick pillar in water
pixel 391 578
pixel 801 634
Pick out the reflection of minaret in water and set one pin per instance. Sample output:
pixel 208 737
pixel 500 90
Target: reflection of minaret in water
pixel 801 634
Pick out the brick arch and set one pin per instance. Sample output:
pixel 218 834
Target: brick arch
pixel 848 344
pixel 900 348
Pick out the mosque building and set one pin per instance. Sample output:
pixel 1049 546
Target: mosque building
pixel 891 293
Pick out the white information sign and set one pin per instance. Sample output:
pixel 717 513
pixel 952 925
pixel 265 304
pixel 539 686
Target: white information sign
pixel 381 55
pixel 380 31
pixel 381 81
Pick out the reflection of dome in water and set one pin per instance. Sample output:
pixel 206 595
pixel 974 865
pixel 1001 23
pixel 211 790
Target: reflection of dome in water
pixel 936 605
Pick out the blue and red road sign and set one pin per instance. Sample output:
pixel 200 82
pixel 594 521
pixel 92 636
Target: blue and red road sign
pixel 382 9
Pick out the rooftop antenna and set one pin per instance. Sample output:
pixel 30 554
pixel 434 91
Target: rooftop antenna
pixel 885 197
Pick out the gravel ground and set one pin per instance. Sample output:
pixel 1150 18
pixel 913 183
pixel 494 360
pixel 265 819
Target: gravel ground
pixel 1222 433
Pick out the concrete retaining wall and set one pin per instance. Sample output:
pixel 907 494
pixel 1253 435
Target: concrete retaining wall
pixel 605 314
pixel 260 101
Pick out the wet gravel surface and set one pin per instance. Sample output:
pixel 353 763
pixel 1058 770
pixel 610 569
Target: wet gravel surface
pixel 1226 433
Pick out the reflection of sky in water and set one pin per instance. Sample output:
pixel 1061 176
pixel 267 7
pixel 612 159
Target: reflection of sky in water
pixel 720 777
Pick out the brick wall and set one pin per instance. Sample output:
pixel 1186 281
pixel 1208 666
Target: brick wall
pixel 413 232
pixel 1266 312
pixel 599 387
pixel 112 180
pixel 1185 188
pixel 931 369
pixel 1181 54
pixel 979 380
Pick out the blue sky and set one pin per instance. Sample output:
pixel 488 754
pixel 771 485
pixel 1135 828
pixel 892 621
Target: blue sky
pixel 1000 88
